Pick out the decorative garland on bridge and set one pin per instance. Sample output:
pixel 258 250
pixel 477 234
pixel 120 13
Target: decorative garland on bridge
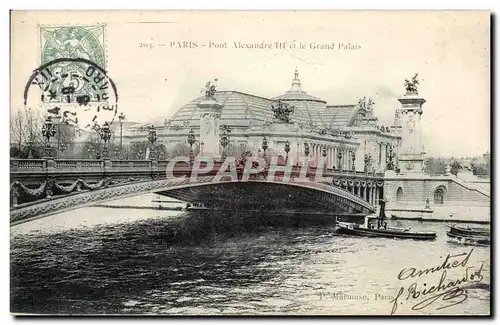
pixel 78 185
pixel 32 192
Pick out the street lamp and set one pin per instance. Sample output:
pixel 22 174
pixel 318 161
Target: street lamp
pixel 48 131
pixel 367 161
pixel 152 137
pixel 339 157
pixel 224 141
pixel 390 156
pixel 287 150
pixel 191 140
pixel 264 145
pixel 121 117
pixel 30 149
pixel 62 148
pixel 105 133
pixel 353 158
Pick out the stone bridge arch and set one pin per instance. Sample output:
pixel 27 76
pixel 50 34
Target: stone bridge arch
pixel 294 194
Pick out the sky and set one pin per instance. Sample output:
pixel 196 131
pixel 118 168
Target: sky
pixel 449 50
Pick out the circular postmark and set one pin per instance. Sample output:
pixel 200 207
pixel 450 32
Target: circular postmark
pixel 76 91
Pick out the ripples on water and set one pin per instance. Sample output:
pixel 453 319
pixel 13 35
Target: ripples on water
pixel 215 263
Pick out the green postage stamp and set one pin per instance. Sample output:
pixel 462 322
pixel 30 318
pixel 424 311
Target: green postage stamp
pixel 85 42
pixel 72 42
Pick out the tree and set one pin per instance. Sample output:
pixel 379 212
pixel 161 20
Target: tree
pixel 435 166
pixel 26 136
pixel 242 151
pixel 182 150
pixel 455 167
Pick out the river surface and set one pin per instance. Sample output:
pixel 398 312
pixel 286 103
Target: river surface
pixel 99 260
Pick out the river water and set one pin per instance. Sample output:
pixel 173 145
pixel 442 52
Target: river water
pixel 101 260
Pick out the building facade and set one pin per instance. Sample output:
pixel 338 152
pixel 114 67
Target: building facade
pixel 348 136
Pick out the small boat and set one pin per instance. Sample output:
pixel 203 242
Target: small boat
pixel 380 229
pixel 469 235
pixel 469 231
pixel 481 240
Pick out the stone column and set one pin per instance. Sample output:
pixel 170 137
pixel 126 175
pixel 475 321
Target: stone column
pixel 335 157
pixel 330 158
pixel 383 154
pixel 209 110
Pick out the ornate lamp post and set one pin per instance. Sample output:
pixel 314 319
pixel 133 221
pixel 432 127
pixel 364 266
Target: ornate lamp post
pixel 339 158
pixel 390 157
pixel 30 149
pixel 264 145
pixel 121 117
pixel 191 140
pixel 227 131
pixel 306 149
pixel 287 150
pixel 48 131
pixel 224 141
pixel 105 133
pixel 367 161
pixel 62 148
pixel 152 137
pixel 353 158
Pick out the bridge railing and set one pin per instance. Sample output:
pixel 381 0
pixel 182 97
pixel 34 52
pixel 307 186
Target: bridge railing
pixel 48 164
pixel 27 164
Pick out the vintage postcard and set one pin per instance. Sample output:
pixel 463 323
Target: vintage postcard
pixel 250 163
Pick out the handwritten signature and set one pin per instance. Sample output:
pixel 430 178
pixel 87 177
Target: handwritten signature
pixel 452 292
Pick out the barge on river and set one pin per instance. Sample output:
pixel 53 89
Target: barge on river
pixel 379 228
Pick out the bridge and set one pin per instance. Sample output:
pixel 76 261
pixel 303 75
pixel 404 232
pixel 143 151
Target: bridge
pixel 40 187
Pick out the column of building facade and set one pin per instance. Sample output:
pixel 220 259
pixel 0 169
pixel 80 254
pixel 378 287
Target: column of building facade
pixel 350 159
pixel 382 155
pixel 346 159
pixel 329 153
pixel 332 155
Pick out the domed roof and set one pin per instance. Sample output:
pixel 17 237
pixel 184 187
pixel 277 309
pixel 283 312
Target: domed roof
pixel 245 110
pixel 239 110
pixel 297 94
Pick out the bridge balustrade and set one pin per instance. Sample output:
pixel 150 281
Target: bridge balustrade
pixel 27 164
pixel 22 165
